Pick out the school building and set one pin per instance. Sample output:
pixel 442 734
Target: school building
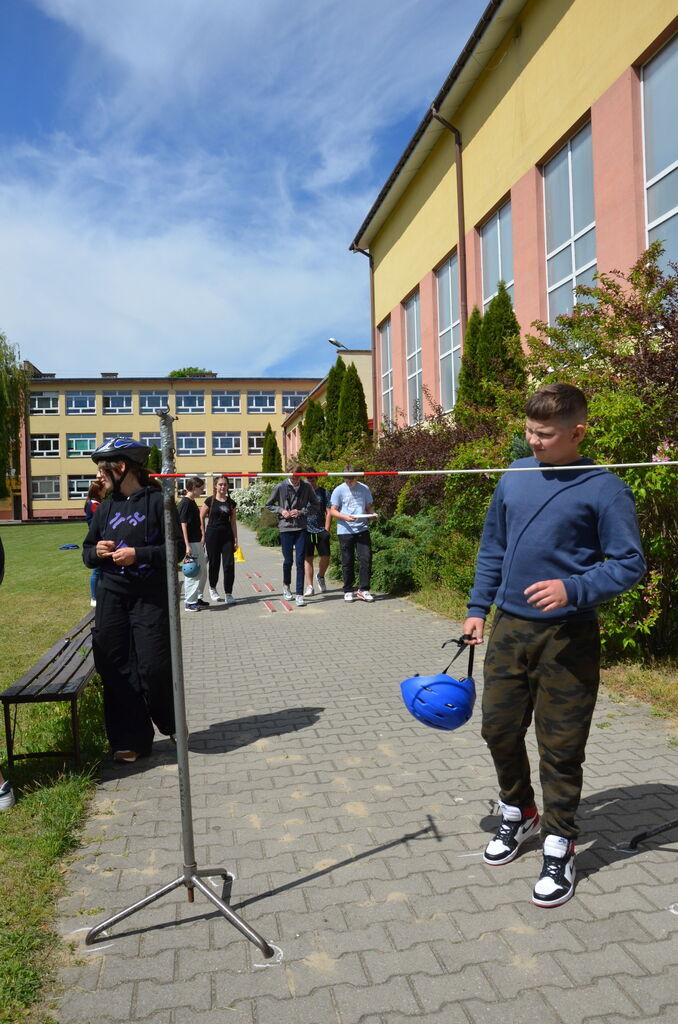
pixel 549 153
pixel 219 428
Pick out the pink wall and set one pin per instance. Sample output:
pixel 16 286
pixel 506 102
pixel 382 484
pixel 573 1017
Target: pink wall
pixel 618 179
pixel 529 267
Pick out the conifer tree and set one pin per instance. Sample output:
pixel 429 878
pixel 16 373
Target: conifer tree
pixel 468 394
pixel 498 353
pixel 352 414
pixel 313 446
pixel 334 381
pixel 13 400
pixel 271 459
pixel 154 464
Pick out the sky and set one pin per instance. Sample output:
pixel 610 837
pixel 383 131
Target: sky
pixel 180 180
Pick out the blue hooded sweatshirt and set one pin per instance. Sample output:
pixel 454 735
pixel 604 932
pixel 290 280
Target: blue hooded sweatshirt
pixel 578 526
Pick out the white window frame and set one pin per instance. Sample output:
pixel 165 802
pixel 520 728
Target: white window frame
pixel 226 402
pixel 265 399
pixel 150 440
pixel 291 400
pixel 50 409
pixel 453 329
pixel 234 436
pixel 117 403
pixel 415 410
pixel 190 403
pixel 197 449
pixel 159 398
pixel 87 410
pixel 575 270
pixel 483 231
pixel 39 486
pixel 119 433
pixel 386 360
pixel 669 169
pixel 45 446
pixel 251 435
pixel 78 486
pixel 84 453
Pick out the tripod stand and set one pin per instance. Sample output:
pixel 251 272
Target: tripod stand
pixel 191 877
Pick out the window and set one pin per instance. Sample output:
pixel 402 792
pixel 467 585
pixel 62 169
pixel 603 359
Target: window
pixel 660 113
pixel 79 446
pixel 496 248
pixel 234 483
pixel 45 446
pixel 291 399
pixel 46 488
pixel 150 440
pixel 449 331
pixel 225 401
pixel 261 401
pixel 386 372
pixel 227 443
pixel 255 442
pixel 570 222
pixel 191 444
pixel 80 403
pixel 120 433
pixel 190 402
pixel 78 487
pixel 153 401
pixel 44 403
pixel 413 350
pixel 117 403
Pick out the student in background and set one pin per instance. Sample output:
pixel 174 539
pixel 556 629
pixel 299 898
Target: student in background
pixel 95 495
pixel 194 539
pixel 317 537
pixel 350 501
pixel 218 517
pixel 292 501
pixel 6 791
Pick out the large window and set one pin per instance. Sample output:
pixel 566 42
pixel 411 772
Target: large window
pixel 386 358
pixel 291 399
pixel 496 248
pixel 413 352
pixel 150 440
pixel 227 443
pixel 44 403
pixel 570 222
pixel 255 442
pixel 119 433
pixel 45 446
pixel 190 402
pixel 660 116
pixel 80 446
pixel 78 486
pixel 46 488
pixel 192 443
pixel 117 403
pixel 261 401
pixel 226 401
pixel 153 401
pixel 80 403
pixel 449 331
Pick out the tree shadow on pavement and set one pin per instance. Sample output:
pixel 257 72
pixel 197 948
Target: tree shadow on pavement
pixel 222 737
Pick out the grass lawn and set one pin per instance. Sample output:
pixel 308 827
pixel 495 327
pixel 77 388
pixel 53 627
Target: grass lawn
pixel 45 592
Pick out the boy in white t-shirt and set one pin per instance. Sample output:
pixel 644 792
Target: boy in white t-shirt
pixel 350 500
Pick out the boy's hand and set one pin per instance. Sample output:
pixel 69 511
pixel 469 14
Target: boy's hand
pixel 547 595
pixel 474 628
pixel 104 548
pixel 124 556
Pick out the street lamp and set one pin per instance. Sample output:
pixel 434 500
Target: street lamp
pixel 337 344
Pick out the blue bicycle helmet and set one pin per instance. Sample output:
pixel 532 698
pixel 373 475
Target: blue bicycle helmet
pixel 439 701
pixel 190 568
pixel 122 448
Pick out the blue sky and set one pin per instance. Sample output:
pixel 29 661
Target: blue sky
pixel 180 179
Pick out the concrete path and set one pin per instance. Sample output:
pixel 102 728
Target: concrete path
pixel 355 835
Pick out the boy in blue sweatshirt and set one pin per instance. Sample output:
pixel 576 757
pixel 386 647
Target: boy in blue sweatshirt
pixel 556 544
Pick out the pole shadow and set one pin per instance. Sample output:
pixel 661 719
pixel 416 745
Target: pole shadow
pixel 223 737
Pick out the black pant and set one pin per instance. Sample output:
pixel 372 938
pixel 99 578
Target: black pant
pixel 131 647
pixel 293 542
pixel 220 550
pixel 349 543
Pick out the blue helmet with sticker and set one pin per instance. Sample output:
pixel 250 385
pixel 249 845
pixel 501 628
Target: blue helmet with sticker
pixel 441 701
pixel 122 448
pixel 190 568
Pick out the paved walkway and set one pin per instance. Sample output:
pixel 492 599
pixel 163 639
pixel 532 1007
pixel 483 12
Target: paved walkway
pixel 355 835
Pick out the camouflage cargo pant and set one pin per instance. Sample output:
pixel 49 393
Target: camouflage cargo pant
pixel 551 671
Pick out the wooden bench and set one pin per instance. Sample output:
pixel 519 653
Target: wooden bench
pixel 62 674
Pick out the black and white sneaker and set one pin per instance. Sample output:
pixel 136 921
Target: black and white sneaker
pixel 556 881
pixel 516 827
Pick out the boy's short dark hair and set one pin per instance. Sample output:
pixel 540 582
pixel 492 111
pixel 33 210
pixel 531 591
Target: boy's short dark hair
pixel 557 402
pixel 350 471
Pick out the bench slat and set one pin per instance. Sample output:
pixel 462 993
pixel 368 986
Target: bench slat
pixel 79 636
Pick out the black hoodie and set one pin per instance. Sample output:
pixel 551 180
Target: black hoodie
pixel 136 521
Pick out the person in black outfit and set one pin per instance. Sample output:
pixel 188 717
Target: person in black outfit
pixel 194 539
pixel 130 636
pixel 218 518
pixel 292 501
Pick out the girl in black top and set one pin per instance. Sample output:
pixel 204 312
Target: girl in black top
pixel 194 538
pixel 218 516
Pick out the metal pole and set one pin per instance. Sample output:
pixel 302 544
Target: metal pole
pixel 191 876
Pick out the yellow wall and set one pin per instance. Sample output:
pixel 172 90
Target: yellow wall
pixel 556 60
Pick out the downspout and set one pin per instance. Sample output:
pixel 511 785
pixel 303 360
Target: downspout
pixel 461 224
pixel 373 333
